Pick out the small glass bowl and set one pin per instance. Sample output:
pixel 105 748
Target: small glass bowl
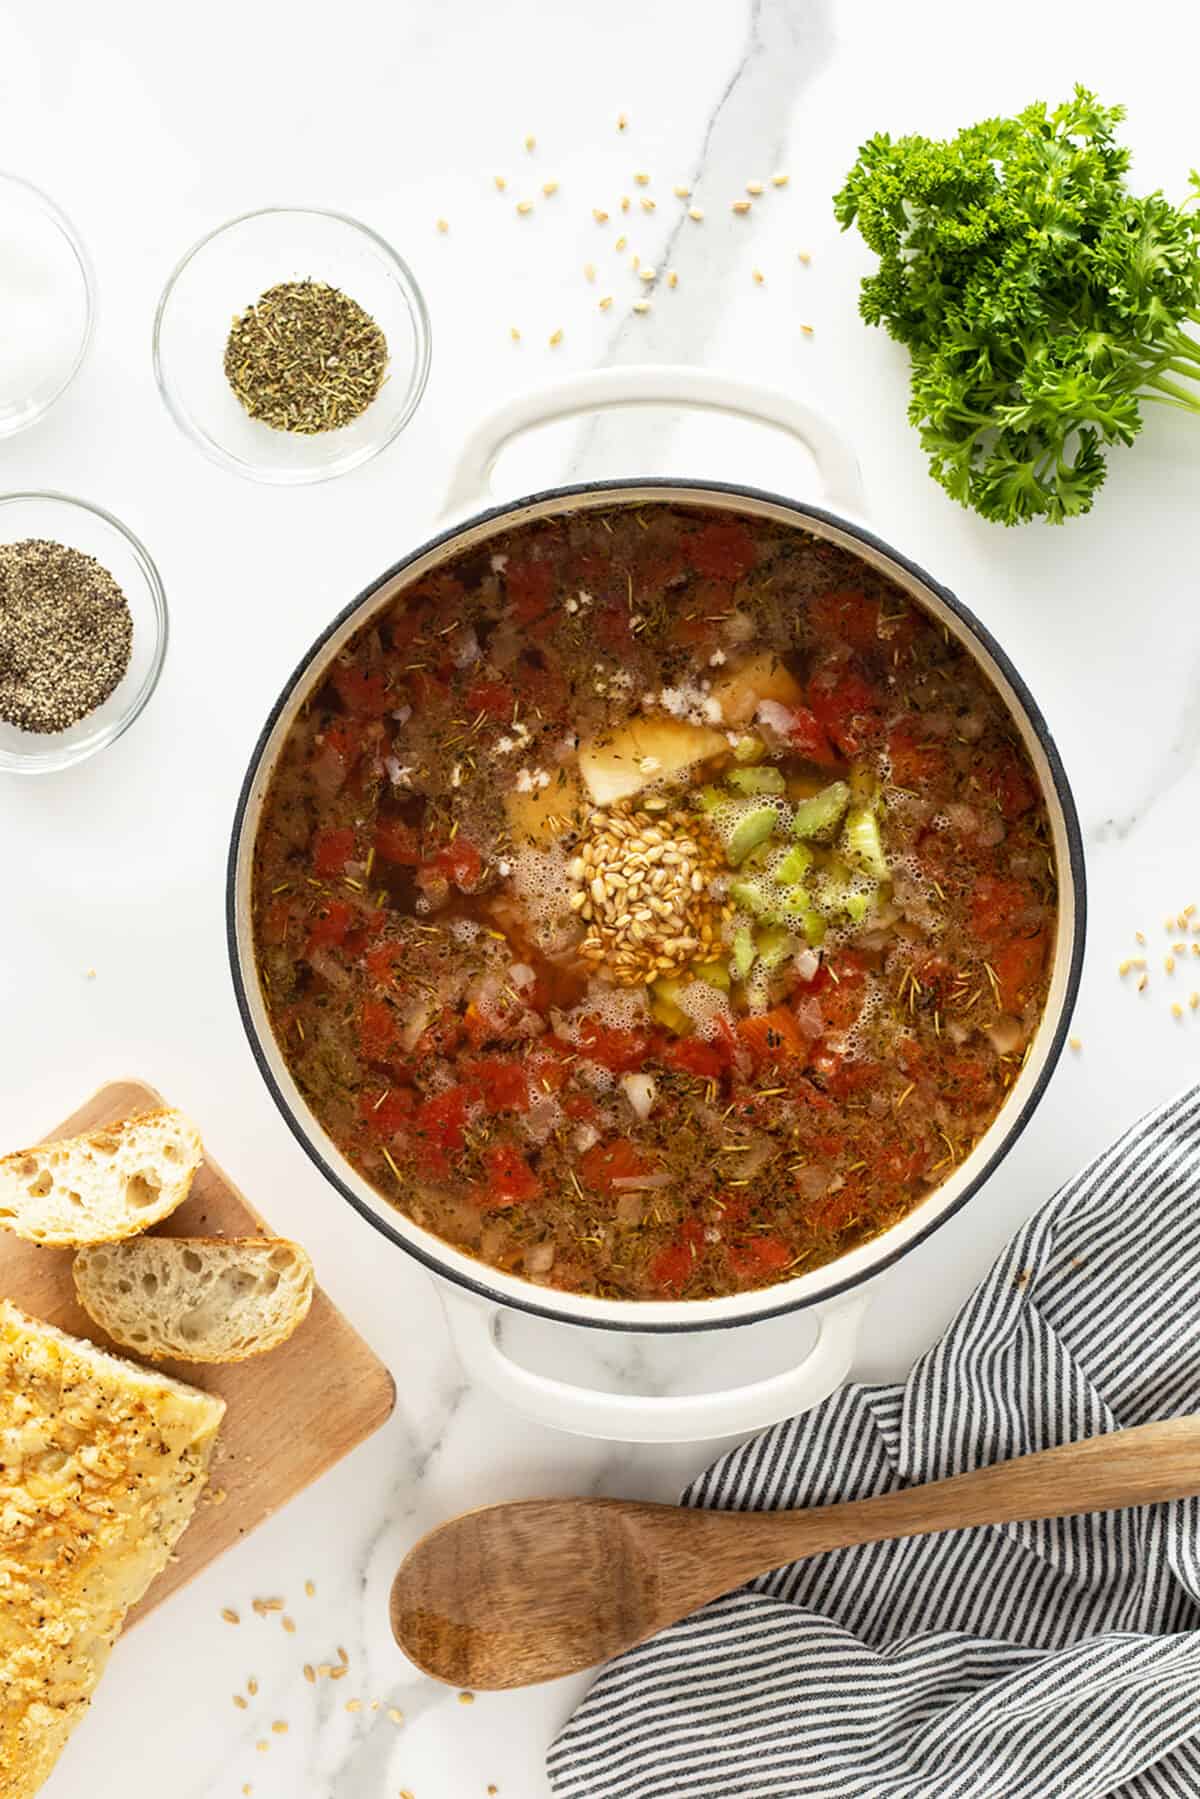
pixel 224 274
pixel 80 526
pixel 46 303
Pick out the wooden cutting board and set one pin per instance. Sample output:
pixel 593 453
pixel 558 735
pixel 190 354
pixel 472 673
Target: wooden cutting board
pixel 291 1414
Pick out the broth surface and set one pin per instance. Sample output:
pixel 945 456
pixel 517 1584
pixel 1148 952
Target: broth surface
pixel 654 903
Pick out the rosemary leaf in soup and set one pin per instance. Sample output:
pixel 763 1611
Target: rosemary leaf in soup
pixel 305 357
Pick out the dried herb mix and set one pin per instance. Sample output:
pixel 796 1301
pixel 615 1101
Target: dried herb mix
pixel 305 357
pixel 65 635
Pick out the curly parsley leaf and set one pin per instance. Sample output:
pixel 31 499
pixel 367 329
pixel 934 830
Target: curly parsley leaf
pixel 1041 302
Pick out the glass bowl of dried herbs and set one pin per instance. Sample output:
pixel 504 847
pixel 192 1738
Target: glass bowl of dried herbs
pixel 83 631
pixel 292 345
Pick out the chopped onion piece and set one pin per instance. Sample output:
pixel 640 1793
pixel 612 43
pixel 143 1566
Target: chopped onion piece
pixel 646 1183
pixel 641 1092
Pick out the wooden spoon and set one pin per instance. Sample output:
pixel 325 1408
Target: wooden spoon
pixel 518 1593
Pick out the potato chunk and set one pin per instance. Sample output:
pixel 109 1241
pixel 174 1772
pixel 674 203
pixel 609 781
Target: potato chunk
pixel 644 751
pixel 761 677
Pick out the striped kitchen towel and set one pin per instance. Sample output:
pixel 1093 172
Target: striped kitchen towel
pixel 1056 1660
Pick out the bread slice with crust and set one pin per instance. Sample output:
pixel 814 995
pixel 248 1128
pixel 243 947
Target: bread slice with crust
pixel 196 1299
pixel 101 1466
pixel 108 1184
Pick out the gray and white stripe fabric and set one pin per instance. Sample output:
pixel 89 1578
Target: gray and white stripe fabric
pixel 1056 1660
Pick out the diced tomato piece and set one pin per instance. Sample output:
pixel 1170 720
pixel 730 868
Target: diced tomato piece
pixel 437 1126
pixel 616 1160
pixel 758 1257
pixel 363 693
pixel 621 1051
pixel 276 918
pixel 614 627
pixel 331 924
pixel 442 1037
pixel 723 551
pixel 505 1085
pixel 387 1112
pixel 461 863
pixel 693 628
pixel 707 1059
pixel 384 962
pixel 344 738
pixel 397 842
pixel 835 1211
pixel 849 615
pixel 916 760
pixel 510 1178
pixel 331 850
pixel 493 698
pixel 965 1079
pixel 995 902
pixel 1018 966
pixel 829 1144
pixel 808 737
pixel 672 1267
pixel 378 1028
pixel 549 1067
pixel 1007 782
pixel 773 1037
pixel 734 1209
pixel 530 588
pixel 840 982
pixel 845 1075
pixel 849 708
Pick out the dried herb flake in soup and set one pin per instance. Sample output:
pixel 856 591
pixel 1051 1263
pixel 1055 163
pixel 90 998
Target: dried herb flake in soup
pixel 305 357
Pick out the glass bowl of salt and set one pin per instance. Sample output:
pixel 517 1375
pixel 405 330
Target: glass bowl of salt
pixel 46 303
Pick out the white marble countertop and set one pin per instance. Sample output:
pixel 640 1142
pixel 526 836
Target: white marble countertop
pixel 150 125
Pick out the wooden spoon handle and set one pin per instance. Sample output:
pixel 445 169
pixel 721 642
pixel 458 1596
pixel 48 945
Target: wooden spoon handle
pixel 1139 1466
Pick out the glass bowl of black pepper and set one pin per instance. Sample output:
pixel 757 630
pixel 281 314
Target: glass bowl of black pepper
pixel 291 345
pixel 83 631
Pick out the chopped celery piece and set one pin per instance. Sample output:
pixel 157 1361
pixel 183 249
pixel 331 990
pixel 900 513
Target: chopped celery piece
pixel 751 829
pixel 814 928
pixel 858 905
pixel 749 896
pixel 774 946
pixel 744 952
pixel 821 815
pixel 665 1009
pixel 758 992
pixel 861 840
pixel 715 973
pixel 711 799
pixel 756 780
pixel 794 866
pixel 792 904
pixel 749 749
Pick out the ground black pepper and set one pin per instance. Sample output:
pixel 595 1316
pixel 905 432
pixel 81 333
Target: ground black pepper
pixel 65 635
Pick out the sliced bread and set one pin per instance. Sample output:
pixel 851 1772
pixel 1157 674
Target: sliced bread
pixel 103 1464
pixel 196 1299
pixel 104 1186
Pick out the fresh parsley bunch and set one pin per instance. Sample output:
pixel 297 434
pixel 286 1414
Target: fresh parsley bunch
pixel 1040 300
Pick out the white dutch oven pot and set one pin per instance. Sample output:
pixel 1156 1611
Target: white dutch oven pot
pixel 476 1294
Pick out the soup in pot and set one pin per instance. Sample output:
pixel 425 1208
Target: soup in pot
pixel 654 903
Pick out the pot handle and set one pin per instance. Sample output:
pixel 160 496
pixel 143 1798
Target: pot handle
pixel 641 1418
pixel 654 384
